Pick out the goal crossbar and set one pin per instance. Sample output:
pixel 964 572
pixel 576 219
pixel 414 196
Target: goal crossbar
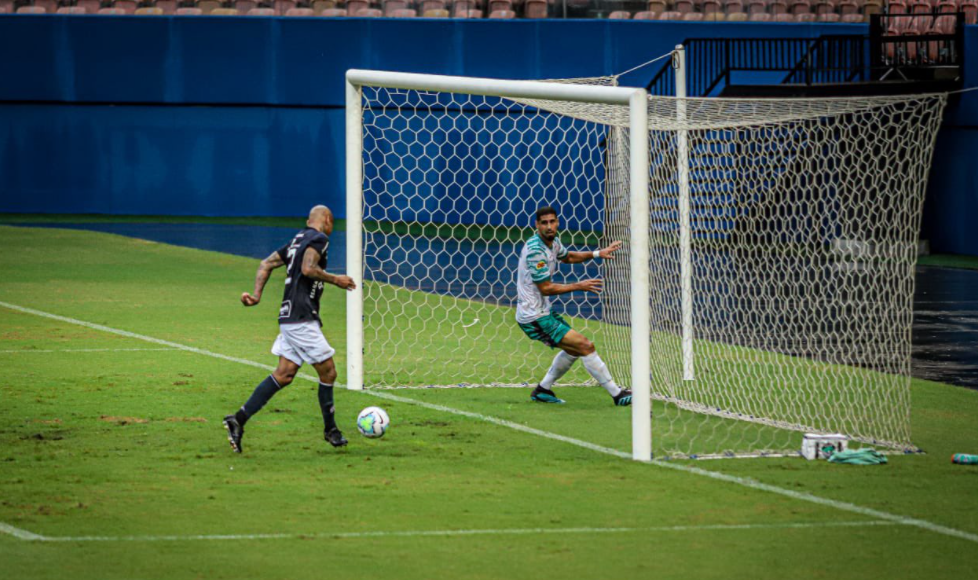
pixel 493 87
pixel 637 102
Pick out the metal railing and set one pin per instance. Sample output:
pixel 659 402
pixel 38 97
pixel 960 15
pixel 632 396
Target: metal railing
pixel 908 41
pixel 828 59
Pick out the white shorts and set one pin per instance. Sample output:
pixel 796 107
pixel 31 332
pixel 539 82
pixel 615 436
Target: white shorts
pixel 302 342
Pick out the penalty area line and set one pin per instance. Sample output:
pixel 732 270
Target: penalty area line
pixel 28 536
pixel 716 475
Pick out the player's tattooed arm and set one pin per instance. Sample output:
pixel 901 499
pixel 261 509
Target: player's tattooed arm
pixel 261 278
pixel 548 288
pixel 311 269
pixel 607 253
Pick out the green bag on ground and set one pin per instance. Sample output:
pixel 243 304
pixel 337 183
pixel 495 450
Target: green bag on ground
pixel 858 457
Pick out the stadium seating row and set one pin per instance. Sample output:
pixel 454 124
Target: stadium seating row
pixel 921 6
pixel 851 11
pixel 968 7
pixel 781 10
pixel 921 24
pixel 741 17
pixel 916 34
pixel 361 8
pixel 772 7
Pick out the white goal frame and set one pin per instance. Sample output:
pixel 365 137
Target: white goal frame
pixel 637 102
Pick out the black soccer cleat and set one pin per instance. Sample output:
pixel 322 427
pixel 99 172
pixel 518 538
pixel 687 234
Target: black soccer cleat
pixel 624 398
pixel 235 431
pixel 335 438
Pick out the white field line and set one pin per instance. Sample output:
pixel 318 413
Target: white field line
pixel 34 350
pixel 479 386
pixel 740 481
pixel 20 534
pixel 25 535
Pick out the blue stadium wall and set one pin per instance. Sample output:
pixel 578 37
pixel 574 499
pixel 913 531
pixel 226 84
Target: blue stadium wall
pixel 244 116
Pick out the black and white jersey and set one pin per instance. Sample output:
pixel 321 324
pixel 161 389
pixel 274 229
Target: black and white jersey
pixel 300 303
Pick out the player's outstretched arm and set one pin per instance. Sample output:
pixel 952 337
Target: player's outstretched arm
pixel 311 269
pixel 261 278
pixel 607 253
pixel 548 288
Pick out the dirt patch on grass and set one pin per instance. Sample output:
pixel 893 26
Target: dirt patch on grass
pixel 47 421
pixel 122 420
pixel 140 420
pixel 52 436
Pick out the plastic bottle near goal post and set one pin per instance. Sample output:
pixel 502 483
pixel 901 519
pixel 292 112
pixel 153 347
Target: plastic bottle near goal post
pixel 373 422
pixel 815 446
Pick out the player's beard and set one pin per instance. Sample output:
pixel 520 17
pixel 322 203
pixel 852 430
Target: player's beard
pixel 548 237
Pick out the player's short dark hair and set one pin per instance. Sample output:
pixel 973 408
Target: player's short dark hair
pixel 546 210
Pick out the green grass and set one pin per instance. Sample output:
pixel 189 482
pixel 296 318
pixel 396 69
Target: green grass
pixel 949 261
pixel 64 218
pixel 511 234
pixel 129 443
pixel 470 232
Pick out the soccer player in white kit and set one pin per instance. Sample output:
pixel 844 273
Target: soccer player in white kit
pixel 538 263
pixel 300 338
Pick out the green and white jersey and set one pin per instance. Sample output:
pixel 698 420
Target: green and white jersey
pixel 538 262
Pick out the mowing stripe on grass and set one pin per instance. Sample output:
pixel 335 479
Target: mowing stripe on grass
pixel 142 337
pixel 25 535
pixel 741 481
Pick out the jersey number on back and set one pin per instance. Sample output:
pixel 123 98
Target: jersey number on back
pixel 291 256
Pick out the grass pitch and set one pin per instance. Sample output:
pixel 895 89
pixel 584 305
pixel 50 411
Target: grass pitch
pixel 118 451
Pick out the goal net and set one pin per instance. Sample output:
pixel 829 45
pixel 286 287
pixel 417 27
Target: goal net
pixel 781 239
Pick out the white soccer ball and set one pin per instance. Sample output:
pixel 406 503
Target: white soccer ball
pixel 372 422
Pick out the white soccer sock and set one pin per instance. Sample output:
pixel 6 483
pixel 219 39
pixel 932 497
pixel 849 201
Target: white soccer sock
pixel 597 369
pixel 562 363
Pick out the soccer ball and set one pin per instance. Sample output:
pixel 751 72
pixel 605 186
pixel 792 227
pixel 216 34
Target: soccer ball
pixel 372 422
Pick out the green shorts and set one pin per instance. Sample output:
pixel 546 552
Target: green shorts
pixel 549 330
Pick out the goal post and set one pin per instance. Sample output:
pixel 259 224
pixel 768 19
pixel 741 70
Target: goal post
pixel 685 229
pixel 634 100
pixel 639 265
pixel 772 239
pixel 354 237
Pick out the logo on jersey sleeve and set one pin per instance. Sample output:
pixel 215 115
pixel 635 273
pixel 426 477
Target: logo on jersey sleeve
pixel 541 265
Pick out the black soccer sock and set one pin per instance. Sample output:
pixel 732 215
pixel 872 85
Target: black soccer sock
pixel 263 393
pixel 326 404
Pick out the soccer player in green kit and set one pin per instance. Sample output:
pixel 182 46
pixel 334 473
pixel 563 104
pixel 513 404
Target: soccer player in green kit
pixel 538 263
